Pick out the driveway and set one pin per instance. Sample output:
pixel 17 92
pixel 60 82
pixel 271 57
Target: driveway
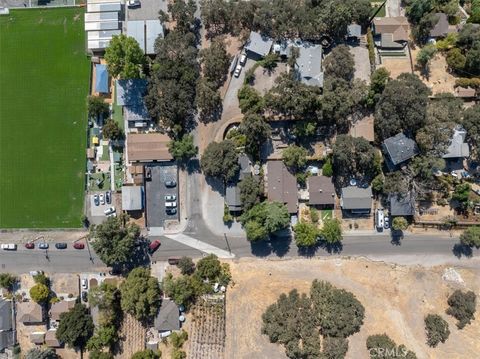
pixel 394 8
pixel 362 62
pixel 148 10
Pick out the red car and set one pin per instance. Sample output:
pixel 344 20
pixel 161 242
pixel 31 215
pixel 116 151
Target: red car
pixel 78 245
pixel 152 247
pixel 30 245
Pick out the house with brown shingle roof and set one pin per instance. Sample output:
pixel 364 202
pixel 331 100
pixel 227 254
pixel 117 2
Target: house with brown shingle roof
pixel 61 307
pixel 29 313
pixel 391 33
pixel 282 185
pixel 51 339
pixel 37 338
pixel 321 192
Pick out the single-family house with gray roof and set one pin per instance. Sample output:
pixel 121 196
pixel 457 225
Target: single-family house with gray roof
pixel 167 317
pixel 441 28
pixel 232 192
pixel 402 204
pixel 258 45
pixel 7 338
pixel 458 148
pixel 356 200
pixel 309 64
pixel 398 150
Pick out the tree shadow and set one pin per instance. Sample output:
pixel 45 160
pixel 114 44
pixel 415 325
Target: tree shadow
pixel 276 245
pixel 396 237
pixel 193 166
pixel 216 184
pixel 212 116
pixel 331 248
pixel 460 250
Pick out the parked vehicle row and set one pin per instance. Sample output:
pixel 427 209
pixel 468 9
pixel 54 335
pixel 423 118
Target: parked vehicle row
pixel 381 221
pixel 102 198
pixel 42 245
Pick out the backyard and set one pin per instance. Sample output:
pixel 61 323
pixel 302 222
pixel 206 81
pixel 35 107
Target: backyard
pixel 43 87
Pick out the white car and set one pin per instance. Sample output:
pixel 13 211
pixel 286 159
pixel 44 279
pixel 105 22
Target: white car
pixel 170 197
pixel 9 247
pixel 170 204
pixel 109 211
pixel 102 199
pixel 237 71
pixel 84 284
pixel 243 59
pixel 133 3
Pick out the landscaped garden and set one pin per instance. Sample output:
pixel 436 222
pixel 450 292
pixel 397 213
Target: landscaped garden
pixel 44 81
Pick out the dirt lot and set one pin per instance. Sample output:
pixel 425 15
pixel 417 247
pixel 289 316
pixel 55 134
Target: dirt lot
pixel 396 298
pixel 439 80
pixel 396 65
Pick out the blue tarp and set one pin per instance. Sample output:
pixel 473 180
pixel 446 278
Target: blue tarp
pixel 101 80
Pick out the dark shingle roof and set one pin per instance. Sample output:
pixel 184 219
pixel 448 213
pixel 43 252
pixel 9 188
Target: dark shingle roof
pixel 167 317
pixel 5 314
pixel 282 185
pixel 321 190
pixel 400 148
pixel 402 204
pixel 259 44
pixel 441 27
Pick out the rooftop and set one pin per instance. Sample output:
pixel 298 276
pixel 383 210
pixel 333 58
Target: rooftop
pixel 259 44
pixel 101 79
pixel 441 27
pixel 282 185
pixel 148 147
pixel 465 92
pixel 397 26
pixel 132 198
pixel 167 317
pixel 29 312
pixel 458 147
pixel 5 314
pixel 356 198
pixel 354 30
pixel 309 64
pixel 61 307
pixel 130 92
pixel 399 148
pixel 232 192
pixel 37 338
pixel 321 190
pixel 402 204
pixel 51 339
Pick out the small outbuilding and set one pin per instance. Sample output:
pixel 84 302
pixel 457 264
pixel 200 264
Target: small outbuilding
pixel 101 79
pixel 167 318
pixel 132 198
pixel 37 338
pixel 258 45
pixel 354 32
pixel 402 204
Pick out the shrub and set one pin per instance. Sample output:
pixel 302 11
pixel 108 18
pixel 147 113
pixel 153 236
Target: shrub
pixel 436 329
pixel 462 307
pixel 186 265
pixel 327 169
pixel 39 293
pixel 314 216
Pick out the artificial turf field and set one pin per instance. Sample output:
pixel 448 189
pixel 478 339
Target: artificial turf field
pixel 44 82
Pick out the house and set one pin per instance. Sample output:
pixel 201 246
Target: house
pixel 61 307
pixel 308 67
pixel 148 147
pixel 258 46
pixel 130 94
pixel 354 32
pixel 167 318
pixel 441 28
pixel 321 192
pixel 37 338
pixel 282 185
pixel 401 204
pixel 466 93
pixel 232 192
pixel 391 33
pixel 364 128
pixel 458 148
pixel 30 313
pixel 132 198
pixel 356 200
pixel 51 339
pixel 7 338
pixel 101 79
pixel 398 150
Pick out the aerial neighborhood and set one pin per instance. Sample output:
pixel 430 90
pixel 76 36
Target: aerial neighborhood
pixel 215 179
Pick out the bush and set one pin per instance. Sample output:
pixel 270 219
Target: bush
pixel 314 216
pixel 186 265
pixel 466 82
pixel 462 307
pixel 41 278
pixel 227 217
pixel 7 281
pixel 327 169
pixel 178 339
pixel 436 329
pixel 39 293
pixel 371 47
pixel 399 224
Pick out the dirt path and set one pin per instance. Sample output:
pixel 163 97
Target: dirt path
pixel 396 298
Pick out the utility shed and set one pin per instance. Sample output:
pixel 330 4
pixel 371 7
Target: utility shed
pixel 258 46
pixel 132 198
pixel 101 79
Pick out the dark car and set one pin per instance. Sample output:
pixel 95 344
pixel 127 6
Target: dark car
pixel 171 211
pixel 173 260
pixel 85 296
pixel 78 245
pixel 108 197
pixel 43 245
pixel 170 183
pixel 152 247
pixel 61 245
pixel 30 245
pixel 96 199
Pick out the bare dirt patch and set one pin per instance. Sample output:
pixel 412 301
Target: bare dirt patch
pixel 396 65
pixel 439 79
pixel 396 299
pixel 132 334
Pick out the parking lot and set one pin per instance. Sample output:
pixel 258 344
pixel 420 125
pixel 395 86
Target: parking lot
pixel 97 214
pixel 148 10
pixel 155 192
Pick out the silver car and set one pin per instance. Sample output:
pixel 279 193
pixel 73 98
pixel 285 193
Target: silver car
pixel 170 197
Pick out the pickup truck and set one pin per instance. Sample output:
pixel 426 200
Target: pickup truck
pixel 9 247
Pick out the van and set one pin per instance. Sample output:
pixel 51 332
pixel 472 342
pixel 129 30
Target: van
pixel 379 219
pixel 9 247
pixel 243 59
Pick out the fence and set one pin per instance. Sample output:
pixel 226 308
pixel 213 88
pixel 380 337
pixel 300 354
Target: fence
pixel 27 4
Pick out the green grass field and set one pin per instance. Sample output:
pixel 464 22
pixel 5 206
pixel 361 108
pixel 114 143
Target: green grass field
pixel 44 81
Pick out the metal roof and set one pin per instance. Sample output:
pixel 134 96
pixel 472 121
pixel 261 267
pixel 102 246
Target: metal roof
pixel 458 147
pixel 102 34
pixel 136 113
pixel 102 25
pixel 354 30
pixel 154 29
pixel 101 79
pixel 102 7
pixel 136 29
pixel 130 92
pixel 5 314
pixel 132 198
pixel 356 198
pixel 259 44
pixel 101 16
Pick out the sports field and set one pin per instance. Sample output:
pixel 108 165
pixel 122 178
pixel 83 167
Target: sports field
pixel 44 80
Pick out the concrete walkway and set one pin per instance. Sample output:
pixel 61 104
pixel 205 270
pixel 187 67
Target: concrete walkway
pixel 201 246
pixel 112 167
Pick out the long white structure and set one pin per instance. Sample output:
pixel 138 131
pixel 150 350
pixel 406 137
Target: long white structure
pixel 153 29
pixel 98 45
pixel 102 35
pixel 136 29
pixel 104 7
pixel 101 16
pixel 102 25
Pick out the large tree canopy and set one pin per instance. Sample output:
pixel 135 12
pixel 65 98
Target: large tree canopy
pixel 75 327
pixel 220 160
pixel 401 107
pixel 340 64
pixel 173 81
pixel 124 57
pixel 114 240
pixel 264 219
pixel 257 131
pixel 471 122
pixel 140 294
